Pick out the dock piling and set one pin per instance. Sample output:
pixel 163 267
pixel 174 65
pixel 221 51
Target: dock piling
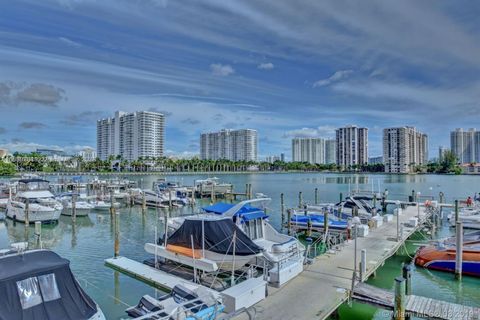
pixel 282 209
pixel 341 196
pixel 459 251
pixel 316 196
pixel 300 199
pixel 112 204
pixel 407 275
pixel 363 264
pixel 144 202
pixel 289 217
pixel 117 234
pixel 399 300
pixel 456 211
pixel 74 207
pixel 38 234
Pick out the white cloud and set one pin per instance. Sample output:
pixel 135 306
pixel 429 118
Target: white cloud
pixel 266 66
pixel 222 70
pixel 337 76
pixel 324 131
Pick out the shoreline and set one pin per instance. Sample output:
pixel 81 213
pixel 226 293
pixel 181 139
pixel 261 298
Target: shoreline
pixel 186 173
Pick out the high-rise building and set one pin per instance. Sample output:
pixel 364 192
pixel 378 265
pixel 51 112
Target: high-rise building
pixel 282 157
pixel 311 150
pixel 131 135
pixel 330 151
pixel 465 145
pixel 403 149
pixel 441 152
pixel 235 145
pixel 352 146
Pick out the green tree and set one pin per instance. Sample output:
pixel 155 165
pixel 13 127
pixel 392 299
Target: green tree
pixel 7 169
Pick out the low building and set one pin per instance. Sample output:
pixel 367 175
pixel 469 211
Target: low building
pixel 470 168
pixel 88 154
pixel 375 160
pixel 272 159
pixel 3 153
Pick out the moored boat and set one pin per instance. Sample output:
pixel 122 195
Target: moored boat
pixel 40 286
pixel 442 257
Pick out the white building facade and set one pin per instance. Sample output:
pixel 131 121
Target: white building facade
pixel 403 149
pixel 235 145
pixel 311 150
pixel 88 154
pixel 465 144
pixel 134 135
pixel 330 151
pixel 352 146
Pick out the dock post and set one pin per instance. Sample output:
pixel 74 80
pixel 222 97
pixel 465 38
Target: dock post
pixel 300 199
pixel 112 204
pixel 282 209
pixel 456 211
pixel 325 223
pixel 363 264
pixel 384 202
pixel 144 202
pixel 246 191
pixel 117 234
pixel 289 217
pixel 441 196
pixel 170 199
pixel 74 207
pixel 341 196
pixel 316 196
pixel 212 195
pixel 459 250
pixel 375 203
pixel 399 301
pixel 414 198
pixel 27 212
pixel 407 275
pixel 38 233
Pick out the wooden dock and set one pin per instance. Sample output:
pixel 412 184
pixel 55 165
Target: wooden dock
pixel 415 305
pixel 324 285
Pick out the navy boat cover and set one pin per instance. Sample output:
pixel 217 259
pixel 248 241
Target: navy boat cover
pixel 218 237
pixel 39 285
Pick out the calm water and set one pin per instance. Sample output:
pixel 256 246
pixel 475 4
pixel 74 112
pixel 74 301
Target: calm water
pixel 90 241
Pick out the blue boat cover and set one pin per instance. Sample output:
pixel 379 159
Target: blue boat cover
pixel 246 212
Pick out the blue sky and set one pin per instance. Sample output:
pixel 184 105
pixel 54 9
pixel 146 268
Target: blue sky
pixel 285 68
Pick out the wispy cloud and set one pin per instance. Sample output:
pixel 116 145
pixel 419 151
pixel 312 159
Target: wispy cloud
pixel 337 76
pixel 266 66
pixel 223 70
pixel 32 125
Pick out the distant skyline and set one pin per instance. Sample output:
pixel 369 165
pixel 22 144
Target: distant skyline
pixel 283 68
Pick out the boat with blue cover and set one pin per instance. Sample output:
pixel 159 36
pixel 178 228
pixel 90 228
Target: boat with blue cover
pixel 317 221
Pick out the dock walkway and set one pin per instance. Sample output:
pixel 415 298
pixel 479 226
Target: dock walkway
pixel 415 305
pixel 324 285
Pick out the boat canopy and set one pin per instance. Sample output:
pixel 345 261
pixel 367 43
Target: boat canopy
pixel 246 212
pixel 218 237
pixel 40 285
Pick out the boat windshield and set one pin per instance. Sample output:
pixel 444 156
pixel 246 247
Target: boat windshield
pixel 33 186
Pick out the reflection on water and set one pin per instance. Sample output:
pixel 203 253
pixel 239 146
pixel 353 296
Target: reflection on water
pixel 89 241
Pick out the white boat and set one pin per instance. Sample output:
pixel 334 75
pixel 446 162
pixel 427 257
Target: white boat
pixel 100 205
pixel 208 243
pixel 186 301
pixel 283 253
pixel 208 185
pixel 34 194
pixel 40 285
pixel 82 208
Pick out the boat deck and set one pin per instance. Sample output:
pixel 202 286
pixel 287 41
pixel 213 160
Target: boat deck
pixel 324 285
pixel 156 278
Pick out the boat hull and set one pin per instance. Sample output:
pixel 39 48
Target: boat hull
pixel 444 260
pixel 43 215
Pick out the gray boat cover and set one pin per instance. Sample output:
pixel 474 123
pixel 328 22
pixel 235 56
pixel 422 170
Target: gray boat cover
pixel 218 237
pixel 28 292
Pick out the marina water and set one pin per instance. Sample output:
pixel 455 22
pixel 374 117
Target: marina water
pixel 89 241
